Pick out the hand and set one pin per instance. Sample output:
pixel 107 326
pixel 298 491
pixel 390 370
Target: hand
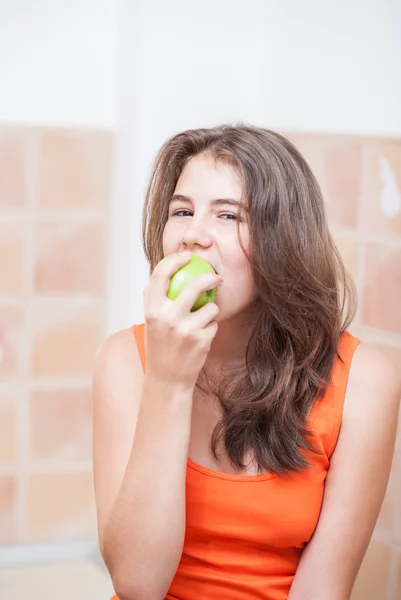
pixel 177 340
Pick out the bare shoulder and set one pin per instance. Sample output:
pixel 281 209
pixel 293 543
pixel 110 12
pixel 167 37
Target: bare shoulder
pixel 374 385
pixel 117 388
pixel 116 349
pixel 117 364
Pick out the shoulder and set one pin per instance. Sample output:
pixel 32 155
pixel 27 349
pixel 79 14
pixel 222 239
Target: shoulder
pixel 374 385
pixel 117 385
pixel 371 404
pixel 117 345
pixel 117 358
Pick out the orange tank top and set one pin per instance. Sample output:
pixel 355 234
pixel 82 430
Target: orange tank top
pixel 245 533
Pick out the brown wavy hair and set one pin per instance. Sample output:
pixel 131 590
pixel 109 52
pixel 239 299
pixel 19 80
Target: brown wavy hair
pixel 305 298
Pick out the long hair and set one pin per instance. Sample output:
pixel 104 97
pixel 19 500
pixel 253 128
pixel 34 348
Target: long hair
pixel 305 298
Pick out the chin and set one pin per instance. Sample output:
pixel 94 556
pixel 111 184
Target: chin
pixel 226 315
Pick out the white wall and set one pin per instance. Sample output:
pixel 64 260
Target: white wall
pixel 169 65
pixel 58 62
pixel 307 65
pixel 335 66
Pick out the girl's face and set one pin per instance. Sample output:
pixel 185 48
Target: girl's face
pixel 203 216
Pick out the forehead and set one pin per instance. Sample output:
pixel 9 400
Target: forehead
pixel 204 176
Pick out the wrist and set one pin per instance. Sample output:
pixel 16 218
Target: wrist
pixel 167 388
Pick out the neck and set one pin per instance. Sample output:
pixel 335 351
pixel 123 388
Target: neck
pixel 229 345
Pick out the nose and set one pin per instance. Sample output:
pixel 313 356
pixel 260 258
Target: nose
pixel 196 235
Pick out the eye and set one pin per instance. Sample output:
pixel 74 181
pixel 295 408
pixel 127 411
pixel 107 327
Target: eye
pixel 179 213
pixel 229 216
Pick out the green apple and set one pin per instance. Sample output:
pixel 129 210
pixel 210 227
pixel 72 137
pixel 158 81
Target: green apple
pixel 195 266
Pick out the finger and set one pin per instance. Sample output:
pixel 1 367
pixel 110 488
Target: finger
pixel 190 293
pixel 164 270
pixel 204 316
pixel 208 333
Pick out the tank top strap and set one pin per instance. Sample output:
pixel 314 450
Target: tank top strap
pixel 139 333
pixel 329 410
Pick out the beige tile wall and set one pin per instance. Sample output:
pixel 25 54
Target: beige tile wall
pixel 54 197
pixel 54 202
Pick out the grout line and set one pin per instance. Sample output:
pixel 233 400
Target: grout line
pixel 48 467
pixel 72 298
pixel 64 301
pixel 58 216
pixel 9 469
pixel 59 467
pixel 17 301
pixel 390 240
pixel 21 512
pixel 31 554
pixel 56 384
pixel 71 383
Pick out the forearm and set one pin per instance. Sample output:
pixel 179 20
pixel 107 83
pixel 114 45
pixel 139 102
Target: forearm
pixel 143 539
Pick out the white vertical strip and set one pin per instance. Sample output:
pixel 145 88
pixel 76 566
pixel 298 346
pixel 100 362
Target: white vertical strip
pixel 122 233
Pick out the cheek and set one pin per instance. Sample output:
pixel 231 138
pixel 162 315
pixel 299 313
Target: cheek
pixel 235 257
pixel 239 274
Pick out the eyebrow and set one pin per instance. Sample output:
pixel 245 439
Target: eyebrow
pixel 216 202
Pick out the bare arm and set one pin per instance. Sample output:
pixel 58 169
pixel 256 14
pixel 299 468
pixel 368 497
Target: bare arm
pixel 141 524
pixel 356 481
pixel 141 436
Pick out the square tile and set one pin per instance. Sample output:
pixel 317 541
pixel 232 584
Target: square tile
pixel 12 324
pixel 71 257
pixel 61 424
pixel 75 169
pixel 65 581
pixel 382 205
pixel 8 501
pixel 348 246
pixel 60 506
pixel 382 288
pixel 309 145
pixel 66 337
pixel 373 578
pixel 13 167
pixel 12 258
pixel 8 427
pixel 342 178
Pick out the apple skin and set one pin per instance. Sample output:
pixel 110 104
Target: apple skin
pixel 193 268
